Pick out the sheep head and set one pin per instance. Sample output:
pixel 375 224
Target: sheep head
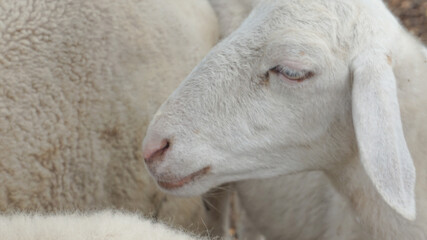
pixel 301 85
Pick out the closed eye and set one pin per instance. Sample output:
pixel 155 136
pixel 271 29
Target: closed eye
pixel 291 74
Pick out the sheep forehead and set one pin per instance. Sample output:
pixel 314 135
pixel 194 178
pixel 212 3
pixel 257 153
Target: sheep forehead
pixel 327 29
pixel 342 24
pixel 277 21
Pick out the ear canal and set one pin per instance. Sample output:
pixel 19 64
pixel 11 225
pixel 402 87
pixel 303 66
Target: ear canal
pixel 378 127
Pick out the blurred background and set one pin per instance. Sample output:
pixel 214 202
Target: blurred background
pixel 413 14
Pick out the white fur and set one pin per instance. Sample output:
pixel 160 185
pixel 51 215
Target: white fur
pixel 96 226
pixel 231 13
pixel 360 119
pixel 79 83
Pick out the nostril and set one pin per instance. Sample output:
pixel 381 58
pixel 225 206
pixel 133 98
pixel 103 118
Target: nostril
pixel 166 146
pixel 156 151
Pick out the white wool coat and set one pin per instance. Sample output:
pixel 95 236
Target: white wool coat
pixel 79 82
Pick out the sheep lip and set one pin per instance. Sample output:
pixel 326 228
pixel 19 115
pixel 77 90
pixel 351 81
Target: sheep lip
pixel 183 181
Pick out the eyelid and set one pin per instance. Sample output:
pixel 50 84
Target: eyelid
pixel 292 74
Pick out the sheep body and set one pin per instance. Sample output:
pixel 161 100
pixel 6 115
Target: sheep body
pixel 249 111
pixel 96 226
pixel 79 82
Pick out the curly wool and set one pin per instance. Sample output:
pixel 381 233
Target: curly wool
pixel 79 82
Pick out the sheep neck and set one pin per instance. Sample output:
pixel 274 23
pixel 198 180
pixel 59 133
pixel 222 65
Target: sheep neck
pixel 371 211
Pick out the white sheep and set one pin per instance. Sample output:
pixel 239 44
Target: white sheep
pixel 331 85
pixel 95 226
pixel 305 213
pixel 79 83
pixel 309 206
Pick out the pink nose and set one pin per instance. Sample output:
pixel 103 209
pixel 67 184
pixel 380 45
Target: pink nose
pixel 154 151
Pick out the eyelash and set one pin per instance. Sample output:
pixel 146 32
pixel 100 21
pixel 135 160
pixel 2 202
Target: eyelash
pixel 291 74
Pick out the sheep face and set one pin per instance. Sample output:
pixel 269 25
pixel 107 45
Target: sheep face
pixel 273 98
pixel 301 85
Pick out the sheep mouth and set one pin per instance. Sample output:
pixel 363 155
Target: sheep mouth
pixel 183 181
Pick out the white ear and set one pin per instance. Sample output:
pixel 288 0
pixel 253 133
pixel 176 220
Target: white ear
pixel 382 146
